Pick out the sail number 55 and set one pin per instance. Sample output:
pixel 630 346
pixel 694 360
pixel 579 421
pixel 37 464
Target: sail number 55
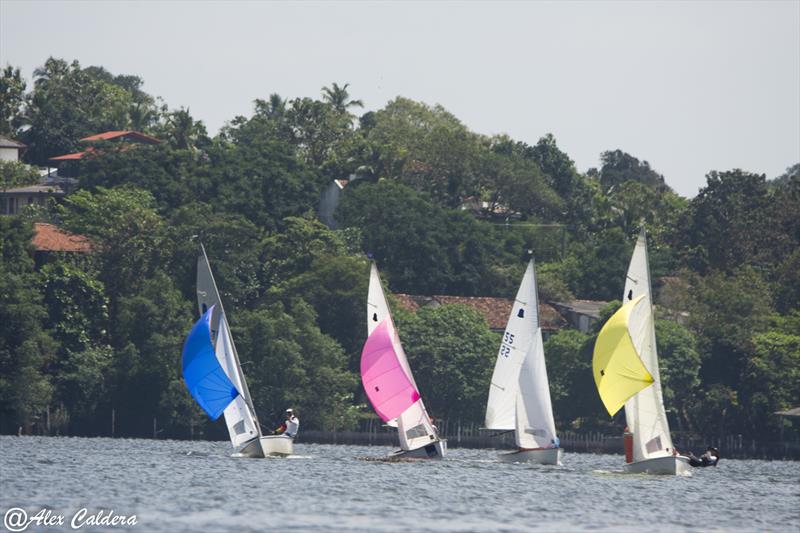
pixel 505 347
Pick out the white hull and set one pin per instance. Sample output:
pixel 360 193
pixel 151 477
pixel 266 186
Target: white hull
pixel 434 450
pixel 269 445
pixel 671 466
pixel 542 456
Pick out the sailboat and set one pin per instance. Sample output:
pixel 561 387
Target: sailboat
pixel 209 359
pixel 519 393
pixel 625 367
pixel 389 383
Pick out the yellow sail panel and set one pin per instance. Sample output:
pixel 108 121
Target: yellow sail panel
pixel 618 371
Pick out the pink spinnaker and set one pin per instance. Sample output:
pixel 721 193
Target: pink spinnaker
pixel 385 382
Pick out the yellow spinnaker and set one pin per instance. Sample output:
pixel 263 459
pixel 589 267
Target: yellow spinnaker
pixel 618 371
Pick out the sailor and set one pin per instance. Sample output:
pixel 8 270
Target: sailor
pixel 290 426
pixel 709 458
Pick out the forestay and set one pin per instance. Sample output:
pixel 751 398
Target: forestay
pixel 644 412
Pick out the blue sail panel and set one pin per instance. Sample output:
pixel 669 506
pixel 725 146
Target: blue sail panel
pixel 206 380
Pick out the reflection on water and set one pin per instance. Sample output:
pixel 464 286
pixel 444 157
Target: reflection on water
pixel 193 486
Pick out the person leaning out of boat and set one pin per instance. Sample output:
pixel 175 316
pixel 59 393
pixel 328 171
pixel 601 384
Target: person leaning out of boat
pixel 709 458
pixel 290 426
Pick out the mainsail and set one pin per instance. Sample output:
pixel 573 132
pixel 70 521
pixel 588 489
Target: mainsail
pixel 240 416
pixel 535 427
pixel 519 393
pixel 413 424
pixel 205 378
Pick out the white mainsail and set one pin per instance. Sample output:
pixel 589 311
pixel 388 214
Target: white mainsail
pixel 644 412
pixel 414 426
pixel 519 394
pixel 240 421
pixel 240 416
pixel 535 427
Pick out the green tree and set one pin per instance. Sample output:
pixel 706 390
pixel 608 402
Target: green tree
pixel 451 351
pixel 727 224
pixel 26 348
pixel 339 98
pixel 290 363
pixel 69 103
pixel 12 98
pixel 679 366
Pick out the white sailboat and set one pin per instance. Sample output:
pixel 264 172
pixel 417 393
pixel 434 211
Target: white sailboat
pixel 389 383
pixel 519 393
pixel 240 415
pixel 625 366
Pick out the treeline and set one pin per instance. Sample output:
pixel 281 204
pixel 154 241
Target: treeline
pixel 442 209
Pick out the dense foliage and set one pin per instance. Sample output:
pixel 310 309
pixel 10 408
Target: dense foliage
pixel 442 209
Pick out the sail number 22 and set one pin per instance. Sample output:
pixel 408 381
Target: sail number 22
pixel 505 346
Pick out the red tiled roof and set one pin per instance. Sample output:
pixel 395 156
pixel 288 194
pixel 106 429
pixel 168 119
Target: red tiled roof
pixel 50 238
pixel 70 157
pixel 494 310
pixel 129 134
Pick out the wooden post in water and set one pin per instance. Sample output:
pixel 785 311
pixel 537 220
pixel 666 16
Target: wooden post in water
pixel 155 432
pixel 113 421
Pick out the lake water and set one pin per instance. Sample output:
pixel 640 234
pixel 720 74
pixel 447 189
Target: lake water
pixel 195 486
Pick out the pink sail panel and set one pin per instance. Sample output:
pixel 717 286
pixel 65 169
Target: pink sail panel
pixel 385 382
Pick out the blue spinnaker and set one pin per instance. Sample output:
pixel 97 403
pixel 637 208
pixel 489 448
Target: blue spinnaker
pixel 204 377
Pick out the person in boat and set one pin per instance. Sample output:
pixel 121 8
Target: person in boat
pixel 709 458
pixel 289 426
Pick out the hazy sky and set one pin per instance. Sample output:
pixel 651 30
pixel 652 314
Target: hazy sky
pixel 688 86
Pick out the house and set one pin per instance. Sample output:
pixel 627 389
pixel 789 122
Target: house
pixel 50 239
pixel 10 150
pixel 330 200
pixel 495 310
pixel 580 314
pixel 13 200
pixel 123 137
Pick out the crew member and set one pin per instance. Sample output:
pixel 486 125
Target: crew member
pixel 290 426
pixel 709 458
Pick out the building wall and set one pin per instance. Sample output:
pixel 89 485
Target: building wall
pixel 9 154
pixel 328 204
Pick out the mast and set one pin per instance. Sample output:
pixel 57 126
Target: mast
pixel 221 316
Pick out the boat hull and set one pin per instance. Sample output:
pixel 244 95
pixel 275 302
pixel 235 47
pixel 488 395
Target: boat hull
pixel 434 450
pixel 280 445
pixel 669 466
pixel 542 456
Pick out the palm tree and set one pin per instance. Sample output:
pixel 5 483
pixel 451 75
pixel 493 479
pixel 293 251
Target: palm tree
pixel 339 98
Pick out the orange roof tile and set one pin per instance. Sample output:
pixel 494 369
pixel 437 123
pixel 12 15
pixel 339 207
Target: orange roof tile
pixel 50 238
pixel 133 135
pixel 69 157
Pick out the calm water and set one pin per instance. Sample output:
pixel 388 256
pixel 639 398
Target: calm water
pixel 195 486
